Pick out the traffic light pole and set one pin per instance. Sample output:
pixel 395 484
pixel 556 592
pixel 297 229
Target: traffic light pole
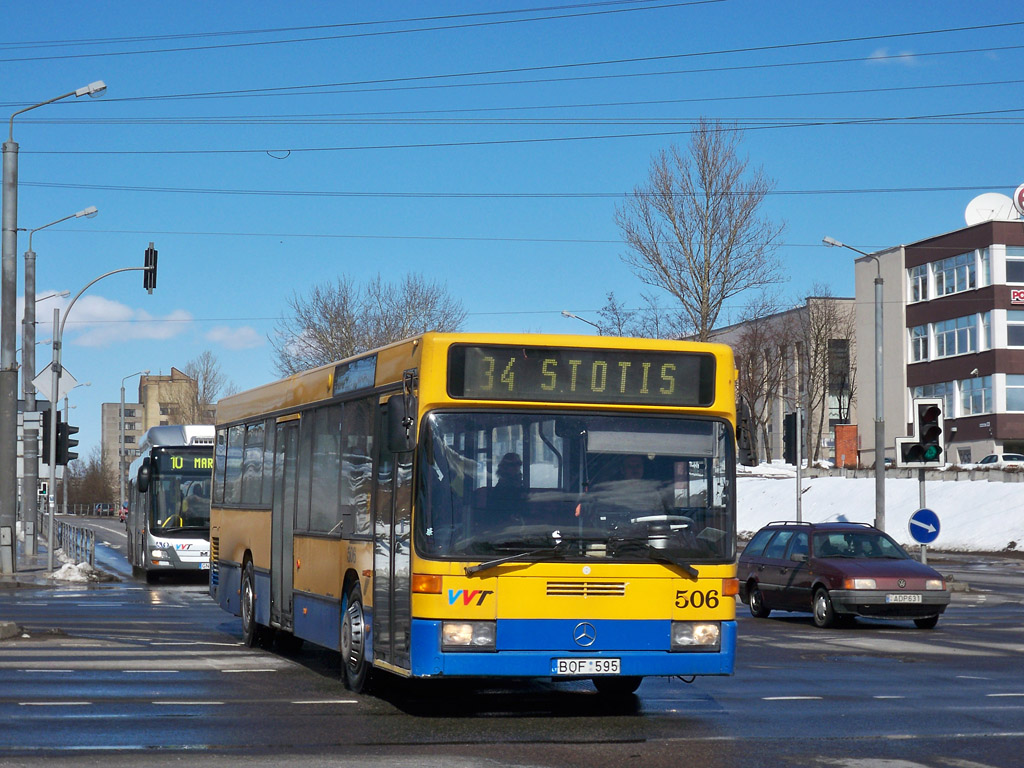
pixel 56 369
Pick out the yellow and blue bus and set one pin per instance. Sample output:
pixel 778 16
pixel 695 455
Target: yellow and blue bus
pixel 488 505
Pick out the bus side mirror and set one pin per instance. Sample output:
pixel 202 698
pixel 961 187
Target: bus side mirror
pixel 401 424
pixel 144 475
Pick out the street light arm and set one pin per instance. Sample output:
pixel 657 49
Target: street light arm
pixel 567 313
pixel 92 282
pixel 831 242
pixel 92 89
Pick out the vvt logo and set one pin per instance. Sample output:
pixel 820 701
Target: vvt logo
pixel 468 596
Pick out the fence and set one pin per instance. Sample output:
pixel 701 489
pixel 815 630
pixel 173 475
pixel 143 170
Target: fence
pixel 78 543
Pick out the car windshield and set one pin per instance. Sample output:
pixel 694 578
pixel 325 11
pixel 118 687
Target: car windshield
pixel 492 485
pixel 857 544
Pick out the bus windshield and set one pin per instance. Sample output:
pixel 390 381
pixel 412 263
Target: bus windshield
pixel 582 485
pixel 181 502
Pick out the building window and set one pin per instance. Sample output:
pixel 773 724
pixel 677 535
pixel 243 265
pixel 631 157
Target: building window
pixel 1014 392
pixel 956 337
pixel 1015 264
pixel 917 278
pixel 955 274
pixel 945 390
pixel 919 343
pixel 976 396
pixel 129 439
pixel 1015 328
pixel 129 413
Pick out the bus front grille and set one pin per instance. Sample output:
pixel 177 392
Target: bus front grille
pixel 586 588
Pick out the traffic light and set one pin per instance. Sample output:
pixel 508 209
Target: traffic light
pixel 924 448
pixel 45 424
pixel 65 443
pixel 149 274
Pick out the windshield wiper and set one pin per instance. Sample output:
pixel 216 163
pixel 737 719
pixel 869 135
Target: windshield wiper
pixel 555 550
pixel 662 556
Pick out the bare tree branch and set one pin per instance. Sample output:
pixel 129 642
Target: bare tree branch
pixel 694 230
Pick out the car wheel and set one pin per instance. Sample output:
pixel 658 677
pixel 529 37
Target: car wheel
pixel 756 600
pixel 927 623
pixel 824 615
pixel 616 686
pixel 252 633
pixel 353 642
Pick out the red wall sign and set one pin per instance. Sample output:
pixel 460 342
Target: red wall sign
pixel 1017 295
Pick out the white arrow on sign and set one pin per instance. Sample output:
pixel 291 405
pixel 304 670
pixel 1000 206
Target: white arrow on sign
pixel 927 526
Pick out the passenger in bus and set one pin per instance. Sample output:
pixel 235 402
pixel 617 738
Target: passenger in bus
pixel 508 496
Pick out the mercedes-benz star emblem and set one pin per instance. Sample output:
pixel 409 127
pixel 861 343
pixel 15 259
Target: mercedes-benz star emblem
pixel 584 634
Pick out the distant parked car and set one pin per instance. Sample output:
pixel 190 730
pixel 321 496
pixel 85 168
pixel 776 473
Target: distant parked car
pixel 838 571
pixel 1002 461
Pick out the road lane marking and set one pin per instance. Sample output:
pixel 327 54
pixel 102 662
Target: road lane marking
pixel 189 703
pixel 54 703
pixel 327 701
pixel 791 698
pixel 230 671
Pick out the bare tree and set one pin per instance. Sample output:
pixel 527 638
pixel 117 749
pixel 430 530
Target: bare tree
pixel 196 402
pixel 826 337
pixel 695 229
pixel 87 482
pixel 762 363
pixel 338 320
pixel 650 321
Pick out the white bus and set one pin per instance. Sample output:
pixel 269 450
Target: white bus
pixel 168 517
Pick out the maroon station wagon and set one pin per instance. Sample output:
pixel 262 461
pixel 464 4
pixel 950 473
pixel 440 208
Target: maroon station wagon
pixel 838 571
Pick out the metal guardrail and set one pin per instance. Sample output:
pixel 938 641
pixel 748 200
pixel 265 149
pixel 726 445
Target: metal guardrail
pixel 78 543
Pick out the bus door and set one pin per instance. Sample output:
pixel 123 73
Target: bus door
pixel 392 525
pixel 282 524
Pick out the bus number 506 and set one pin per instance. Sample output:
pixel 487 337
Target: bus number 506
pixel 696 599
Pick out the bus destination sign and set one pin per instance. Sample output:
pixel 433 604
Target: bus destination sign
pixel 574 375
pixel 171 461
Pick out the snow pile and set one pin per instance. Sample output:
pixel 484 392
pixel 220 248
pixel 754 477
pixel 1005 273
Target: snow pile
pixel 974 516
pixel 76 572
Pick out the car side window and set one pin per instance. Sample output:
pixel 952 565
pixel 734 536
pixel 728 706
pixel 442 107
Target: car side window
pixel 798 546
pixel 776 548
pixel 756 545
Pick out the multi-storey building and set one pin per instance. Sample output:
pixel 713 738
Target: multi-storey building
pixel 162 400
pixel 953 328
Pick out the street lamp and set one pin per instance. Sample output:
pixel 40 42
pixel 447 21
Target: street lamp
pixel 566 313
pixel 120 447
pixel 8 366
pixel 67 418
pixel 879 387
pixel 30 507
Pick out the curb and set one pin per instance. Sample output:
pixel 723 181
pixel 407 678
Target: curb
pixel 9 629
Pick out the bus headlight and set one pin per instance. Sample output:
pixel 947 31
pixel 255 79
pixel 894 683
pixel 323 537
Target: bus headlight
pixel 158 554
pixel 468 635
pixel 701 636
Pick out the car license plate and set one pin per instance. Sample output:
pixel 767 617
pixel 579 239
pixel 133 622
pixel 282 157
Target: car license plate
pixel 586 667
pixel 903 598
pixel 205 565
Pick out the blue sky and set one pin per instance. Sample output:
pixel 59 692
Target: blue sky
pixel 265 148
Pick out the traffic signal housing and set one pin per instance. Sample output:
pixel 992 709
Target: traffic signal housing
pixel 65 443
pixel 926 445
pixel 149 273
pixel 45 429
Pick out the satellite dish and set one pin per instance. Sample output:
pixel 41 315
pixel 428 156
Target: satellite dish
pixel 990 206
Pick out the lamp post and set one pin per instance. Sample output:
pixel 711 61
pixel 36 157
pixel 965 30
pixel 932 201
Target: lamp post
pixel 566 313
pixel 30 510
pixel 879 387
pixel 120 446
pixel 8 366
pixel 67 418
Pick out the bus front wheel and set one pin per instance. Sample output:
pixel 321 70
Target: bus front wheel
pixel 353 641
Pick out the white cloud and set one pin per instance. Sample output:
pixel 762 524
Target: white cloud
pixel 99 322
pixel 882 56
pixel 235 338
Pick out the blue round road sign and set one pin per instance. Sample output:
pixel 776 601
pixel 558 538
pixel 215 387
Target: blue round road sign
pixel 924 526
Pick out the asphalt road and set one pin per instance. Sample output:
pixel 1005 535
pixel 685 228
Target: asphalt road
pixel 124 672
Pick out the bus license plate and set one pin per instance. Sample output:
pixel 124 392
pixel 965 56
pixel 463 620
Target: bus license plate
pixel 903 598
pixel 205 565
pixel 586 667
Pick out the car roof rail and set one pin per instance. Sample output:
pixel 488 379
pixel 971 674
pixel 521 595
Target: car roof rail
pixel 788 522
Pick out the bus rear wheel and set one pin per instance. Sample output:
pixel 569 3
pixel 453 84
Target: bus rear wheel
pixel 354 666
